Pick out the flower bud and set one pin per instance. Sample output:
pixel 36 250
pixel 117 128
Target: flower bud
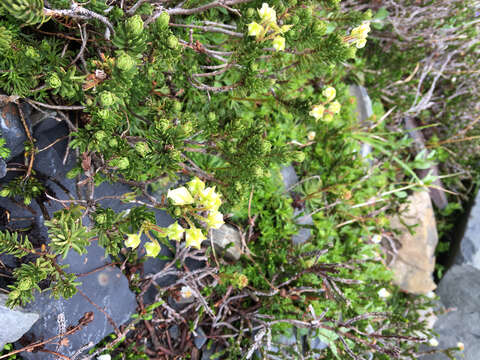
pixel 107 98
pixel 100 135
pixel 172 42
pixel 152 249
pixel 142 148
pixel 250 12
pixel 125 62
pixel 163 21
pixel 134 25
pixel 298 156
pixel 54 81
pixel 101 219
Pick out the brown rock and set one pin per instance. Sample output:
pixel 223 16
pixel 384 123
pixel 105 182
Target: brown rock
pixel 414 263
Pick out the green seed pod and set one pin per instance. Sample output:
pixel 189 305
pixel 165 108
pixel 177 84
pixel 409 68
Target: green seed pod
pixel 125 62
pixel 142 148
pixel 107 98
pixel 100 135
pixel 177 212
pixel 25 284
pixel 134 25
pixel 54 81
pixel 172 42
pixel 250 12
pixel 163 20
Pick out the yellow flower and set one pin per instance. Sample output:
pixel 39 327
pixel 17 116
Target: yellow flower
pixel 180 196
pixel 311 135
pixel 460 346
pixel 214 219
pixel 433 342
pixel 279 43
pixel 133 240
pixel 255 29
pixel 335 107
pixel 267 14
pixel 317 111
pixel 175 232
pixel 194 237
pixel 196 186
pixel 152 248
pixel 360 43
pixel 285 28
pixel 210 199
pixel 329 93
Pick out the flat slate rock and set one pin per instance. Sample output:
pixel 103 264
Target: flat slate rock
pixel 469 249
pixel 12 129
pixel 14 322
pixel 107 288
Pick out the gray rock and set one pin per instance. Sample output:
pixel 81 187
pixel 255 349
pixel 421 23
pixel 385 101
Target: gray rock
pixel 43 121
pixel 469 248
pixel 460 288
pixel 107 288
pixel 459 292
pixel 454 327
pixel 174 332
pixel 289 176
pixel 304 232
pixel 223 237
pixel 15 322
pixel 200 339
pixel 50 161
pixel 364 111
pixel 11 128
pixel 3 168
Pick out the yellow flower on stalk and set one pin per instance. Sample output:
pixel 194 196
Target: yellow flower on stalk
pixel 180 196
pixel 334 107
pixel 133 240
pixel 267 14
pixel 255 29
pixel 174 231
pixel 210 199
pixel 329 93
pixel 152 249
pixel 360 43
pixel 194 237
pixel 279 43
pixel 317 111
pixel 214 220
pixel 196 186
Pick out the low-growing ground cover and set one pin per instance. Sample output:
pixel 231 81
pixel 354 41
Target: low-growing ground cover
pixel 196 106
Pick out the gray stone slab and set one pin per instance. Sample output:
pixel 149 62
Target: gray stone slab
pixel 14 322
pixel 107 288
pixel 469 248
pixel 12 129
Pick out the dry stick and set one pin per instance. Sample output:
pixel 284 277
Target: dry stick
pixel 77 11
pixel 53 143
pixel 56 107
pixel 85 320
pixel 57 354
pixel 30 138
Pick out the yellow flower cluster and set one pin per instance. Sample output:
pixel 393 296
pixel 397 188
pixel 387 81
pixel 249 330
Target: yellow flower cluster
pixel 268 26
pixel 326 113
pixel 195 202
pixel 359 35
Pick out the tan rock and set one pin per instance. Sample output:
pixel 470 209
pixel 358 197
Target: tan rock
pixel 414 263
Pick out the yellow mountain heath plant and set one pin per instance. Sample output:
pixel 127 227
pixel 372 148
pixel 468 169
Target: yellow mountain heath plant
pixel 268 28
pixel 197 204
pixel 320 111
